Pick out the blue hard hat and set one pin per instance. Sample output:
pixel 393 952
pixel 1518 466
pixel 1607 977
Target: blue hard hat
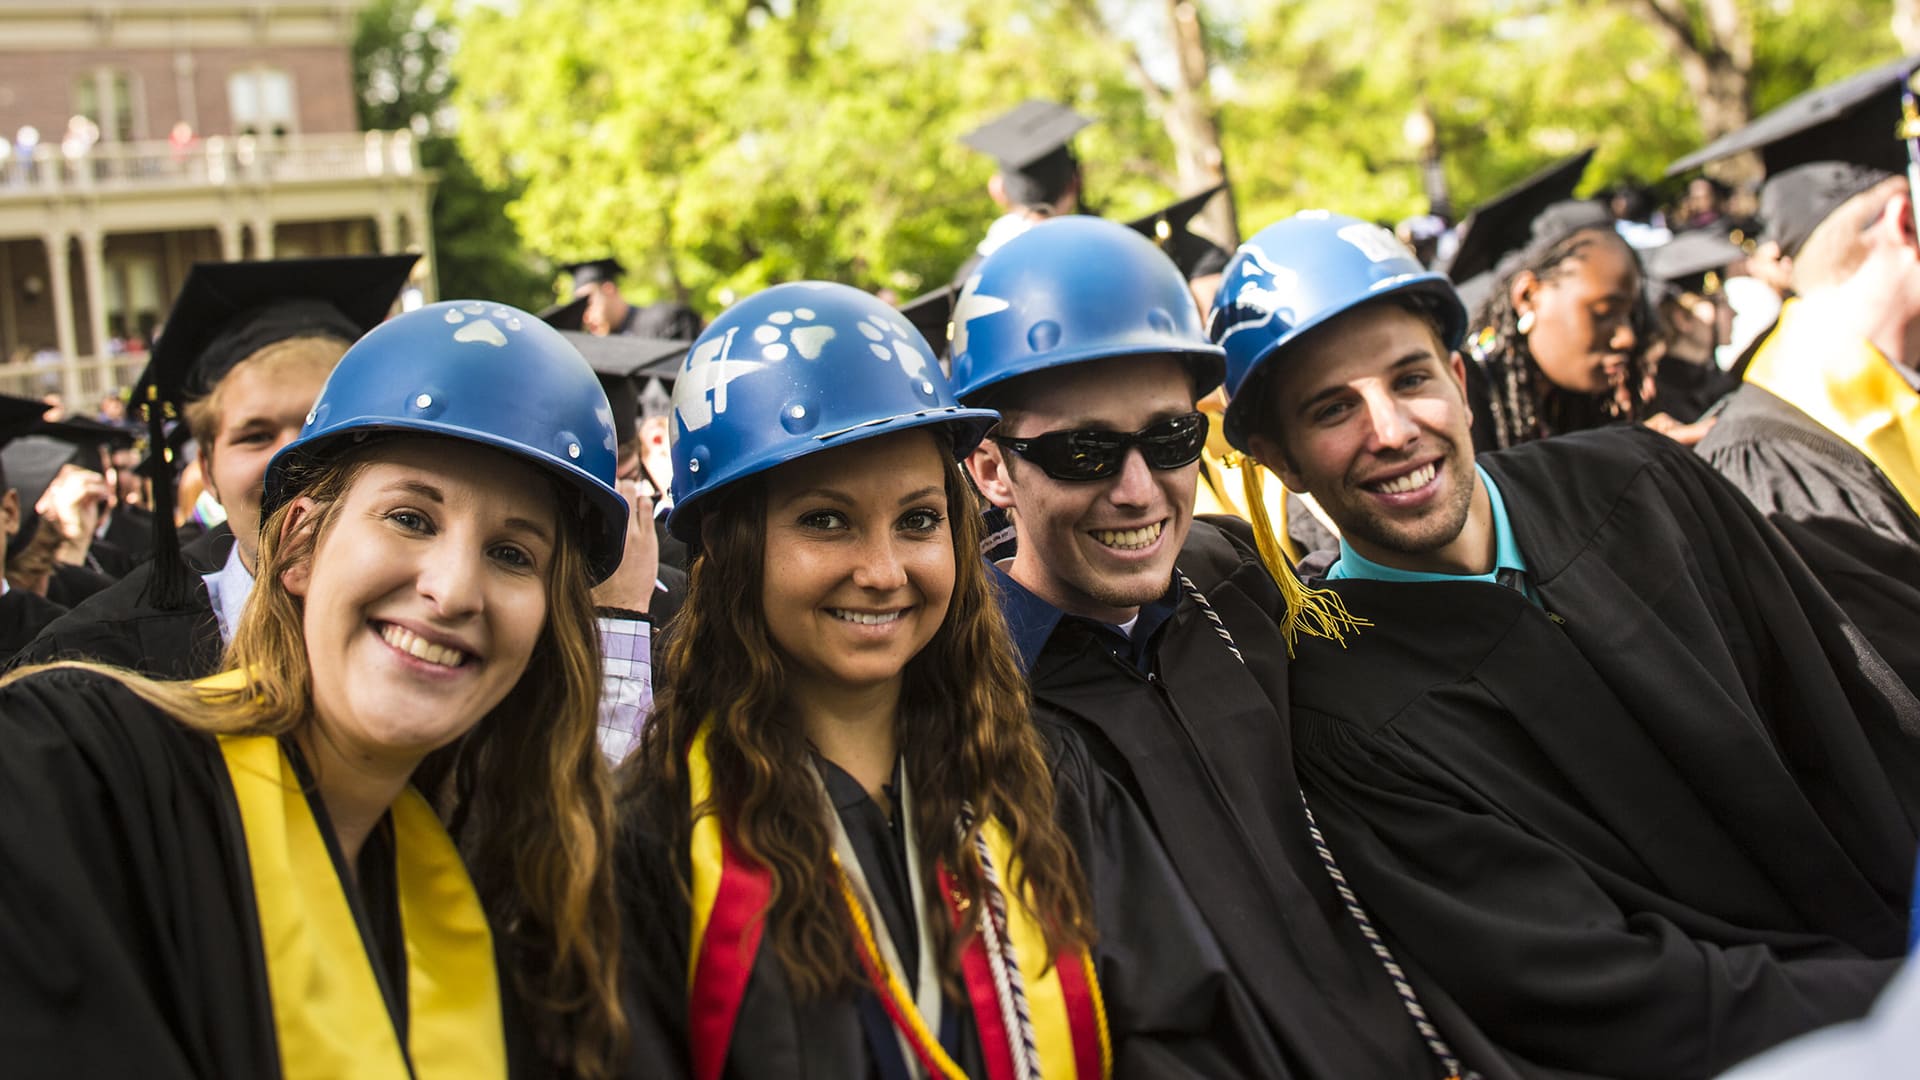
pixel 485 373
pixel 793 370
pixel 1298 273
pixel 1069 290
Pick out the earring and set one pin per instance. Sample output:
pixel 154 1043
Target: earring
pixel 1525 325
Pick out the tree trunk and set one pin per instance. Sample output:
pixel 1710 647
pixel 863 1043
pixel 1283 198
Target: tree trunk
pixel 1189 118
pixel 1906 25
pixel 1714 42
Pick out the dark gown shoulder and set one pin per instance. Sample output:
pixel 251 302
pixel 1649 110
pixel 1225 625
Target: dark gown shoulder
pixel 128 937
pixel 1836 508
pixel 119 626
pixel 22 616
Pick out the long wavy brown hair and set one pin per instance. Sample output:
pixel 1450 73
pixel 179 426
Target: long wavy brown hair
pixel 525 793
pixel 964 731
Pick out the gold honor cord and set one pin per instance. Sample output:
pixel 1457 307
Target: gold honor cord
pixel 1319 612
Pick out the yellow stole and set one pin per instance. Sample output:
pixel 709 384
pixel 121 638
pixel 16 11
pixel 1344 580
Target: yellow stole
pixel 1850 388
pixel 328 1013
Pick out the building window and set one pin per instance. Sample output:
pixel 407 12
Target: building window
pixel 111 99
pixel 261 100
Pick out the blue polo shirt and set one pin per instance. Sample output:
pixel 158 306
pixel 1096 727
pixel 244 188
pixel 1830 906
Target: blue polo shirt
pixel 1506 554
pixel 1033 621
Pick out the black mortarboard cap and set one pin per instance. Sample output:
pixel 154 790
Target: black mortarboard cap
pixel 1031 144
pixel 226 312
pixel 1794 202
pixel 19 415
pixel 568 316
pixel 35 456
pixel 1856 119
pixel 1195 255
pixel 1505 222
pixel 932 315
pixel 594 271
pixel 1027 133
pixel 1692 254
pixel 623 362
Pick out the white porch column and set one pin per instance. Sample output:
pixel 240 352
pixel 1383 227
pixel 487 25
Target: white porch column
pixel 93 265
pixel 262 238
pixel 230 249
pixel 60 282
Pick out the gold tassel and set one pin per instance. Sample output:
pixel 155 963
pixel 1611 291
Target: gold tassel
pixel 1319 612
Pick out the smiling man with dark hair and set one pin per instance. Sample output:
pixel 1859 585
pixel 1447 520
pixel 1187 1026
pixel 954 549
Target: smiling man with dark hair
pixel 1605 760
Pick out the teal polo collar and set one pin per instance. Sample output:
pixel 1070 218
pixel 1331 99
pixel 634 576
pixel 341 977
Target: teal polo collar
pixel 1506 554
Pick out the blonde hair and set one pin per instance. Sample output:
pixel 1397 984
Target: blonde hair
pixel 524 793
pixel 1838 247
pixel 297 355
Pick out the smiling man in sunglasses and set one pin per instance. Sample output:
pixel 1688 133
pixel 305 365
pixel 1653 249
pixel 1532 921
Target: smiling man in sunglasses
pixel 1159 639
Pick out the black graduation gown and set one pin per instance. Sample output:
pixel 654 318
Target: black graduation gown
pixel 1172 1009
pixel 116 626
pixel 70 585
pixel 1204 747
pixel 1838 510
pixel 129 937
pixel 1664 828
pixel 23 615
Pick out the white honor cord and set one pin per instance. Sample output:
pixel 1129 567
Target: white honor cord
pixel 926 989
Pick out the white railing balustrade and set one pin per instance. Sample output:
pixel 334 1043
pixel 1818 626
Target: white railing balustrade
pixel 216 160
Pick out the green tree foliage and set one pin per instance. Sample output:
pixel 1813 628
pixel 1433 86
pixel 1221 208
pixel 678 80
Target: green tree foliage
pixel 720 145
pixel 400 66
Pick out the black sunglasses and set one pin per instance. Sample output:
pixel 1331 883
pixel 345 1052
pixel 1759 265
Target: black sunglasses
pixel 1095 455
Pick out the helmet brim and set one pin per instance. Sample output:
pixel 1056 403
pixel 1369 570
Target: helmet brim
pixel 606 543
pixel 969 427
pixel 1428 284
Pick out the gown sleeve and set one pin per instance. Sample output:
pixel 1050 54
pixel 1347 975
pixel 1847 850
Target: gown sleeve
pixel 124 949
pixel 1173 1007
pixel 1525 937
pixel 654 942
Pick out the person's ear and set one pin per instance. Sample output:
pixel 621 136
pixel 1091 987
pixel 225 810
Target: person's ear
pixel 988 466
pixel 1896 222
pixel 9 515
pixel 302 517
pixel 1273 457
pixel 997 189
pixel 1457 367
pixel 1520 291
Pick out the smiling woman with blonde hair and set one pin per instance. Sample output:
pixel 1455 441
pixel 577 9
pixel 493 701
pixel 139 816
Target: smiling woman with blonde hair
pixel 377 846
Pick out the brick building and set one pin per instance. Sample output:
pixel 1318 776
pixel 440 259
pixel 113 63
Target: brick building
pixel 141 136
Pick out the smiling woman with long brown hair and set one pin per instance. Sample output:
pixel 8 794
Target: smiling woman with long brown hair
pixel 378 845
pixel 847 850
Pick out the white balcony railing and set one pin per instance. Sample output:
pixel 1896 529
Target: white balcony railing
pixel 81 383
pixel 216 160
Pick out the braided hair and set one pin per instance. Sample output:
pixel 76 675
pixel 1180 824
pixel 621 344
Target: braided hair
pixel 1526 405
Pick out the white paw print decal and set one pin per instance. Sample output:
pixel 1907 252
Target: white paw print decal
pixel 894 340
pixel 485 329
pixel 802 335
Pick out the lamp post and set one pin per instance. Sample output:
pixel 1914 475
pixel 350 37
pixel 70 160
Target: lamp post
pixel 1423 136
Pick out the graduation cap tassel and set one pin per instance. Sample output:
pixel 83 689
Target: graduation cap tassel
pixel 1319 612
pixel 167 578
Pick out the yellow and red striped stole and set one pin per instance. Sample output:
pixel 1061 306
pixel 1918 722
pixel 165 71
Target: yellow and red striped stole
pixel 1031 1024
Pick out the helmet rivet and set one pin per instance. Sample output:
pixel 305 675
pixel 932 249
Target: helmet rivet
pixel 310 419
pixel 797 412
pixel 423 401
pixel 693 465
pixel 573 449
